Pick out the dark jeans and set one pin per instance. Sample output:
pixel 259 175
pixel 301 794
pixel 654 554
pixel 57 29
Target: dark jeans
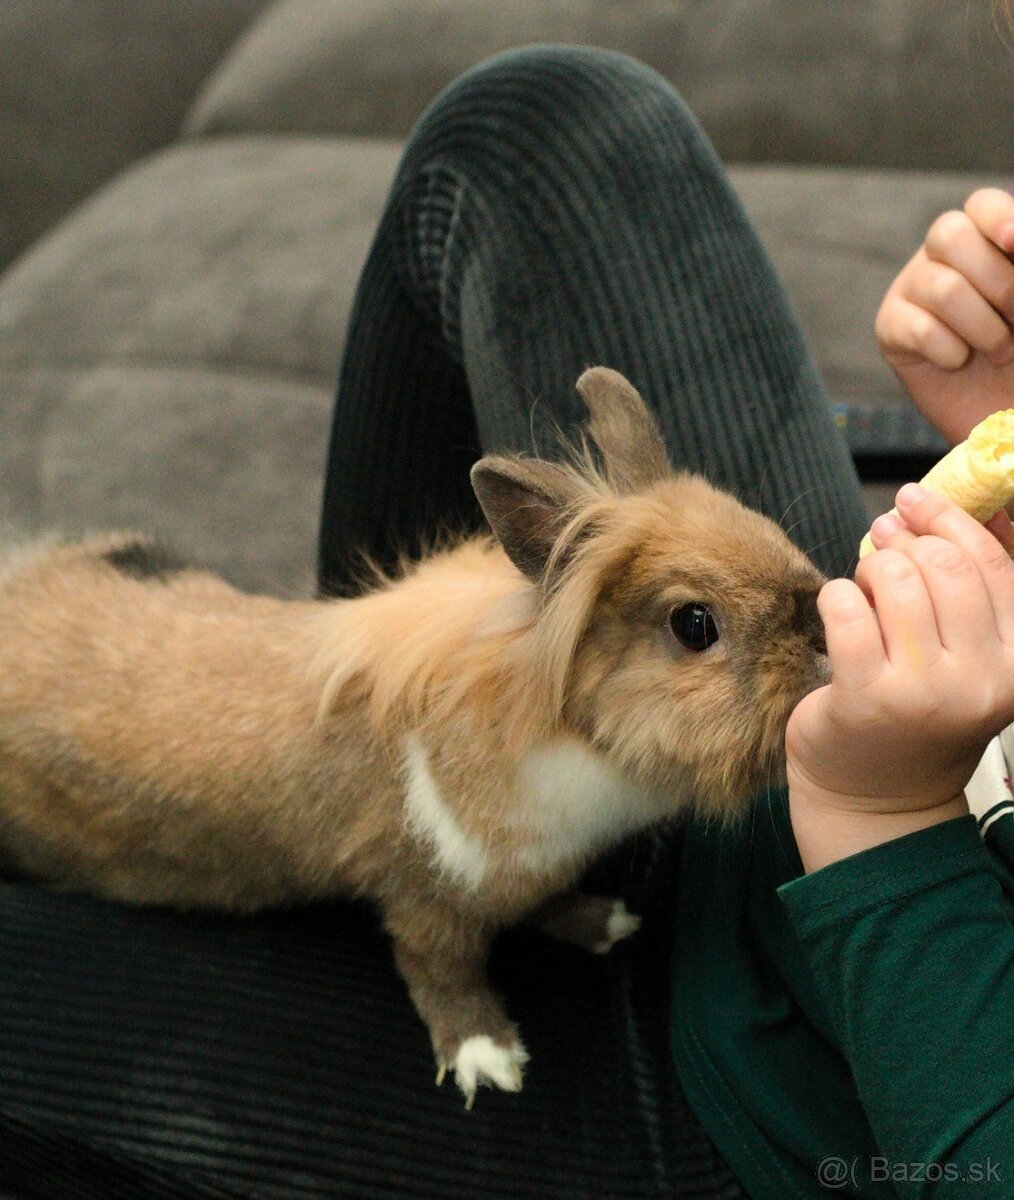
pixel 555 208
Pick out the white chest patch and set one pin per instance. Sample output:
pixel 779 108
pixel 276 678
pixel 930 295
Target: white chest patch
pixel 432 820
pixel 574 802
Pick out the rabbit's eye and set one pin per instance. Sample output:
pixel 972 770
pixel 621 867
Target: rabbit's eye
pixel 693 626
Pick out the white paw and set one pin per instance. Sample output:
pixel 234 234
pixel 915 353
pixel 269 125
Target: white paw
pixel 481 1062
pixel 621 924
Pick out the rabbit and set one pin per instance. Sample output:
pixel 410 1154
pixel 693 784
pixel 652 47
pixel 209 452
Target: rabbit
pixel 457 744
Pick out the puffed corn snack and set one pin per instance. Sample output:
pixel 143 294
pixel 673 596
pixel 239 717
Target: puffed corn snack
pixel 978 474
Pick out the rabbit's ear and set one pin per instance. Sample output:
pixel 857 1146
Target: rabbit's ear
pixel 528 504
pixel 624 430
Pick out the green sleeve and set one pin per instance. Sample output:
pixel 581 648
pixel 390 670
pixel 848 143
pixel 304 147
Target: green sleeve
pixel 912 946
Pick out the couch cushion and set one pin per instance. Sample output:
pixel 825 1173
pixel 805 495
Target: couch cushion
pixel 168 355
pixel 917 83
pixel 88 86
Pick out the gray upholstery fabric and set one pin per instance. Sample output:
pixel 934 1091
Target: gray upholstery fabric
pixel 87 86
pixel 900 83
pixel 168 354
pixel 838 237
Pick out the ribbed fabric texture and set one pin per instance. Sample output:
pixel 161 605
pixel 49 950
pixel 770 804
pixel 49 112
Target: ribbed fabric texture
pixel 558 208
pixel 148 1055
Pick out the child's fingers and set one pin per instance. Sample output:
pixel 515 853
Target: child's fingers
pixel 992 210
pixel 855 648
pixel 907 331
pixel 955 240
pixel 890 531
pixel 927 513
pixel 961 605
pixel 904 607
pixel 1001 527
pixel 958 303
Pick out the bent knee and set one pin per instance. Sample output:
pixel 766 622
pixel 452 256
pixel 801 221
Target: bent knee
pixel 553 88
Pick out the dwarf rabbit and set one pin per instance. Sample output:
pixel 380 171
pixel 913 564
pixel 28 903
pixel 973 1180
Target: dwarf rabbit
pixel 456 744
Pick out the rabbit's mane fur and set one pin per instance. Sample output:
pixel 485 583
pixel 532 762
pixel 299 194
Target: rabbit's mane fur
pixel 508 654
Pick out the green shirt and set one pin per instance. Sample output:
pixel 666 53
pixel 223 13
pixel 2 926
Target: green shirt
pixel 852 1026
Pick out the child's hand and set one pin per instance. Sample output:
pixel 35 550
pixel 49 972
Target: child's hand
pixel 946 325
pixel 921 681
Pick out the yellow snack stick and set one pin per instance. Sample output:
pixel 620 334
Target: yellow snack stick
pixel 978 474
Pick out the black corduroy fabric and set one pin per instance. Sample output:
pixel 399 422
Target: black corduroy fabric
pixel 148 1055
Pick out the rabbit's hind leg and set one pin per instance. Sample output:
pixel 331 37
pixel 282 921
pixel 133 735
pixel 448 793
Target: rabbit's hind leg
pixel 594 923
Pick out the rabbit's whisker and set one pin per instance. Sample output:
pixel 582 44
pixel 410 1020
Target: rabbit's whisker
pixel 792 504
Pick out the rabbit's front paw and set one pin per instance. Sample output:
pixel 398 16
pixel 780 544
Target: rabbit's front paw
pixel 480 1061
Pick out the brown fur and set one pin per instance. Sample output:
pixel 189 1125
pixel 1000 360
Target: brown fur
pixel 165 739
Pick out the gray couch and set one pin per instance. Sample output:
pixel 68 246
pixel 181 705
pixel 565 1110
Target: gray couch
pixel 190 186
